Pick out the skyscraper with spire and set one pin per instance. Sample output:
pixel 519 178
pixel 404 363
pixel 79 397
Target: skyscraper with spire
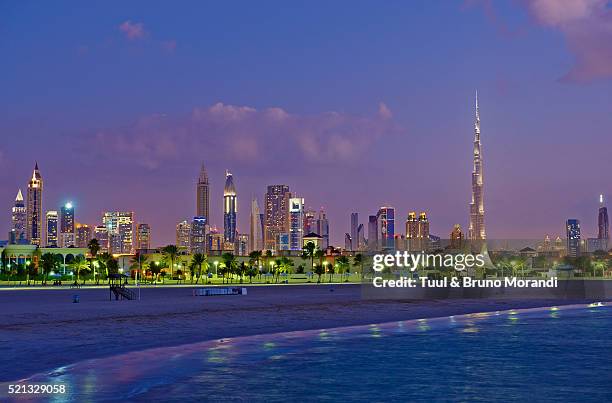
pixel 229 209
pixel 603 233
pixel 256 227
pixel 476 229
pixel 19 218
pixel 202 195
pixel 34 220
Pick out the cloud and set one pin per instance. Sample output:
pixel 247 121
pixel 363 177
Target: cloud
pixel 245 135
pixel 587 28
pixel 133 30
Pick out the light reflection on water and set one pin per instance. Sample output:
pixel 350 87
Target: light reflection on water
pixel 487 356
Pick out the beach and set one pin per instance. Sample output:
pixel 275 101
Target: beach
pixel 44 329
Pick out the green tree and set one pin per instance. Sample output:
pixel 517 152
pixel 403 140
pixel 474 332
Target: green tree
pixel 343 264
pixel 358 261
pixel 309 253
pixel 230 264
pixel 94 247
pixel 319 271
pixel 170 252
pixel 199 260
pixel 78 265
pixel 48 263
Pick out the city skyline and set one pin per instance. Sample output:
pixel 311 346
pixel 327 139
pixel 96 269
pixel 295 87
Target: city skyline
pixel 299 119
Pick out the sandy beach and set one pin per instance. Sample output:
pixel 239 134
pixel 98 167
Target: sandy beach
pixel 45 330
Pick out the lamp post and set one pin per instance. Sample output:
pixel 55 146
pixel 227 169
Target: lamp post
pixel 216 271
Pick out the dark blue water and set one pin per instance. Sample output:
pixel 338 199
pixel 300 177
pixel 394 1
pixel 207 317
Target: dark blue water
pixel 537 355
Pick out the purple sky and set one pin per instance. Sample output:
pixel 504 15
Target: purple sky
pixel 352 104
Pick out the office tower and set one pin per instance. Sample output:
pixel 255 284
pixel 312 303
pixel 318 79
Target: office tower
pixel 456 237
pixel 347 241
pixel 183 235
pixel 67 225
pixel 255 228
pixel 603 232
pixel 19 218
pixel 310 221
pixel 423 235
pixel 202 195
pixel 51 229
pixel 282 241
pixel 361 241
pixel 277 209
pixel 120 227
pixel 143 236
pixel 229 209
pixel 412 231
pixel 197 241
pixel 296 223
pixel 323 229
pixel 83 234
pixel 242 245
pixel 373 233
pixel 386 226
pixel 34 210
pixel 214 241
pixel 354 225
pixel 573 237
pixel 476 229
pixel 101 234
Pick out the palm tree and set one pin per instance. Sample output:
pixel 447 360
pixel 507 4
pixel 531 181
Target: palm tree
pixel 79 263
pixel 170 252
pixel 104 260
pixel 255 258
pixel 94 248
pixel 229 262
pixel 138 260
pixel 48 263
pixel 319 255
pixel 198 260
pixel 343 264
pixel 358 262
pixel 285 266
pixel 600 265
pixel 319 271
pixel 309 252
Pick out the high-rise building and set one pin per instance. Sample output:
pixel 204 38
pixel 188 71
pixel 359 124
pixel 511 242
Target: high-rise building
pixel 476 230
pixel 310 221
pixel 101 234
pixel 51 229
pixel 423 235
pixel 34 223
pixel 143 236
pixel 19 218
pixel 323 228
pixel 296 223
pixel 603 226
pixel 456 237
pixel 67 225
pixel 354 226
pixel 277 214
pixel 83 234
pixel 203 195
pixel 386 226
pixel 229 209
pixel 347 241
pixel 183 235
pixel 412 231
pixel 120 227
pixel 361 241
pixel 572 227
pixel 255 228
pixel 242 245
pixel 373 233
pixel 198 235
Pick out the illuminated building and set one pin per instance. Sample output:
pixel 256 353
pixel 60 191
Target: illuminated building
pixel 323 229
pixel 67 225
pixel 386 226
pixel 83 234
pixel 313 238
pixel 296 223
pixel 572 227
pixel 354 226
pixel 101 234
pixel 423 235
pixel 373 233
pixel 19 218
pixel 361 241
pixel 120 226
pixel 183 235
pixel 412 231
pixel 347 241
pixel 277 217
pixel 229 209
pixel 202 195
pixel 215 241
pixel 51 229
pixel 143 236
pixel 282 241
pixel 310 221
pixel 242 245
pixel 603 233
pixel 456 237
pixel 34 209
pixel 255 228
pixel 476 230
pixel 197 240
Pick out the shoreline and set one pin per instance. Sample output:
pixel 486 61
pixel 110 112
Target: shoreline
pixel 46 330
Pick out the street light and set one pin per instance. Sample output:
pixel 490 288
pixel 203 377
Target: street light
pixel 216 272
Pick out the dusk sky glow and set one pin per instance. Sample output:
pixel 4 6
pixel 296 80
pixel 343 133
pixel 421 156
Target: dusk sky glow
pixel 354 105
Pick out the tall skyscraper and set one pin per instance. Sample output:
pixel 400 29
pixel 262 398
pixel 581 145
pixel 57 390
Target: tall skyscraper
pixel 67 225
pixel 310 221
pixel 323 228
pixel 197 240
pixel 34 223
pixel 412 231
pixel 83 234
pixel 373 233
pixel 101 234
pixel 120 228
pixel 296 223
pixel 51 229
pixel 347 241
pixel 423 235
pixel 603 232
pixel 202 195
pixel 386 226
pixel 354 226
pixel 572 227
pixel 361 241
pixel 229 209
pixel 183 235
pixel 456 237
pixel 143 236
pixel 476 230
pixel 19 218
pixel 255 228
pixel 277 214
